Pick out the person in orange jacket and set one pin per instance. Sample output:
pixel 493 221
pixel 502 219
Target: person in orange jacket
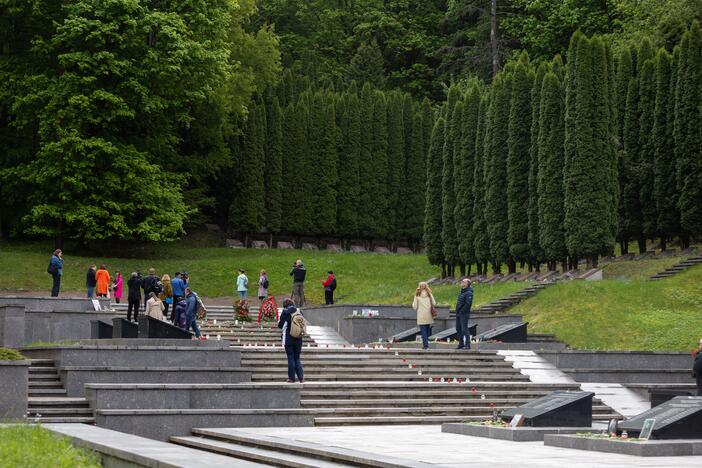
pixel 102 278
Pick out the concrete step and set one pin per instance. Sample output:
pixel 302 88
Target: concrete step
pixel 41 363
pixel 42 377
pixel 410 402
pixel 66 419
pixel 407 420
pixel 38 392
pixel 380 363
pixel 41 402
pixel 429 394
pixel 64 412
pixel 282 376
pixel 257 454
pixel 42 384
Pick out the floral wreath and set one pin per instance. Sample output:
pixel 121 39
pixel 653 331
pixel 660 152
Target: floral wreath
pixel 268 310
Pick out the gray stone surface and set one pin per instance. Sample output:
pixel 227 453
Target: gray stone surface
pixel 623 376
pixel 143 354
pixel 11 326
pixel 192 396
pixel 617 359
pixel 13 389
pixel 124 450
pixel 162 424
pixel 150 327
pixel 53 304
pixel 75 378
pixel 650 448
pixel 517 434
pixel 99 329
pixel 123 328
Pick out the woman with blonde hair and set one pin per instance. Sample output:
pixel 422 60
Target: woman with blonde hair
pixel 424 305
pixel 166 295
pixel 263 284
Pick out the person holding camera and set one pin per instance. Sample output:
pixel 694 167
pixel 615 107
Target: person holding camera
pixel 329 287
pixel 133 296
pixel 298 273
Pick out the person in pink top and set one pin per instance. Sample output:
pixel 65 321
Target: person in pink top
pixel 118 287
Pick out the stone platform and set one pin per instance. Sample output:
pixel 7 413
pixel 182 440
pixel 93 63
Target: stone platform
pixel 649 448
pixel 516 434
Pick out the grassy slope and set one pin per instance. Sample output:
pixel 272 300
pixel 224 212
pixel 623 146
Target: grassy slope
pixel 33 446
pixel 363 278
pixel 632 314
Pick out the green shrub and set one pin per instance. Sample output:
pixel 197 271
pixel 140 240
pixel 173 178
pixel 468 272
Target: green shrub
pixel 7 354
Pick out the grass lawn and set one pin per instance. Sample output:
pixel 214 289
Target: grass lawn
pixel 366 278
pixel 25 446
pixel 663 315
pixel 637 269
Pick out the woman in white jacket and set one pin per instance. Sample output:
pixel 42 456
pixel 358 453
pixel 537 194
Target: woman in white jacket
pixel 423 305
pixel 154 307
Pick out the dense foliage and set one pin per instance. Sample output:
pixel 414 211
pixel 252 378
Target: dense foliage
pixel 563 174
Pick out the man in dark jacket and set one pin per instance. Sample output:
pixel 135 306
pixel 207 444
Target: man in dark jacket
pixel 191 311
pixel 90 281
pixel 292 345
pixel 133 296
pixel 298 273
pixel 56 271
pixel 697 369
pixel 148 284
pixel 463 304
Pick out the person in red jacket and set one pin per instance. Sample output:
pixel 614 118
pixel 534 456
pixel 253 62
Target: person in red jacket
pixel 329 287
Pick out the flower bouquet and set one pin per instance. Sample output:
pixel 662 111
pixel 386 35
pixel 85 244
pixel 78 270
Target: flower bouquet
pixel 268 310
pixel 241 310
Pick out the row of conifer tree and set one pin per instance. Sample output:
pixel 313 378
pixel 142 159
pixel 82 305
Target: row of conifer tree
pixel 313 161
pixel 555 163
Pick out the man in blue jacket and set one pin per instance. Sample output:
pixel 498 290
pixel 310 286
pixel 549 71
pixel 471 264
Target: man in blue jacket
pixel 191 311
pixel 56 271
pixel 463 304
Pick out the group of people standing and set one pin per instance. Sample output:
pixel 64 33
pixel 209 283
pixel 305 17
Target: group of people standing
pixel 298 273
pixel 424 305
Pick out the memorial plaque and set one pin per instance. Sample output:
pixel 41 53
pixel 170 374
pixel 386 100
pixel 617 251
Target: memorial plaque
pixel 557 409
pixel 150 327
pixel 407 335
pixel 123 328
pixel 658 396
pixel 515 332
pixel 100 330
pixel 679 418
pixel 450 333
pixel 309 246
pixel 647 428
pixel 285 245
pixel 259 244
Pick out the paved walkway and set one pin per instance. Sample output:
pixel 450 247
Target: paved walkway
pixel 428 444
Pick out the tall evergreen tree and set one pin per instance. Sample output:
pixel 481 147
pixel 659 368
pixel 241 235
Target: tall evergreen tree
pixel 624 74
pixel 647 103
pixel 349 182
pixel 590 208
pixel 297 205
pixel 496 170
pixel 688 140
pixel 379 165
pixel 367 65
pixel 464 176
pixel 396 163
pixel 451 145
pixel 664 183
pixel 246 213
pixel 481 240
pixel 535 250
pixel 415 184
pixel 427 125
pixel 433 211
pixel 550 178
pixel 518 144
pixel 631 215
pixel 274 165
pixel 367 198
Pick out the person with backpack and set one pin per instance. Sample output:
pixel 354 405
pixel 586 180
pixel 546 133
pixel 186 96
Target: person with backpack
pixel 329 287
pixel 178 287
pixel 263 285
pixel 133 296
pixel 292 322
pixel 55 269
pixel 90 281
pixel 191 311
pixel 242 284
pixel 150 284
pixel 102 281
pixel 179 316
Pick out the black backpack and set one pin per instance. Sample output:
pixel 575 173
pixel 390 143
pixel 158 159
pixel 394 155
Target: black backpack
pixel 52 270
pixel 332 286
pixel 266 283
pixel 157 287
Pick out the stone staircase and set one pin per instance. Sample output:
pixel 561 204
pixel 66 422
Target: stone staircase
pixel 245 333
pixel 677 268
pixel 384 385
pixel 47 400
pixel 502 304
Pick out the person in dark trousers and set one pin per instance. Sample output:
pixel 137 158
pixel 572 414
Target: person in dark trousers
pixel 329 287
pixel 148 284
pixel 463 304
pixel 191 311
pixel 91 281
pixel 56 271
pixel 697 369
pixel 298 273
pixel 292 345
pixel 178 286
pixel 133 296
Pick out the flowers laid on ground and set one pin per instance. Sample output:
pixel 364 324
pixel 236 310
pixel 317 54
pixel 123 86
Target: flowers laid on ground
pixel 241 310
pixel 268 311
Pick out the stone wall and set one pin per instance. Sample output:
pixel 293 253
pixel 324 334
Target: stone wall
pixel 630 360
pixel 13 389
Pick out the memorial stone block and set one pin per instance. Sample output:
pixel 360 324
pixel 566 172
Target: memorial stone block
pixel 309 246
pixel 515 332
pixel 150 327
pixel 407 335
pixel 123 328
pixel 285 245
pixel 557 409
pixel 100 329
pixel 678 418
pixel 450 333
pixel 259 244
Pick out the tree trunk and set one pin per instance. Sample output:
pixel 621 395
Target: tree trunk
pixel 684 241
pixel 624 246
pixel 493 38
pixel 469 269
pixel 496 268
pixel 642 244
pixel 462 268
pixel 511 266
pixel 664 242
pixel 443 270
pixel 564 265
